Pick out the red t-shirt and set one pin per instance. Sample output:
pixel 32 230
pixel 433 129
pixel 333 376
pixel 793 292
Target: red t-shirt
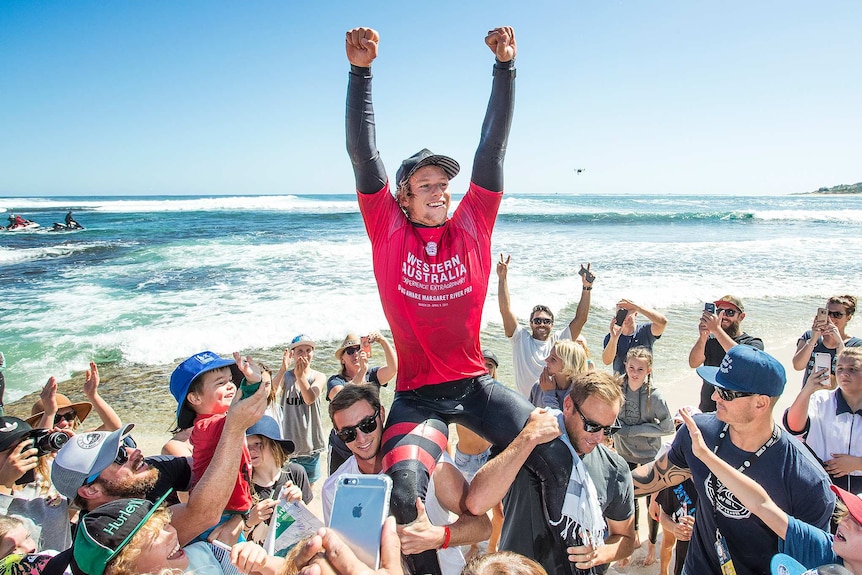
pixel 432 283
pixel 204 438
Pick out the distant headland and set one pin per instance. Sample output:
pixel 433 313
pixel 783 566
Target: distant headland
pixel 842 189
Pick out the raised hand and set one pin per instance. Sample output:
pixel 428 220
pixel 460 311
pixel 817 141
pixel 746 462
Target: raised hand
pixel 361 46
pixel 91 381
pixel 503 266
pixel 248 367
pixel 698 447
pixel 48 395
pixel 501 41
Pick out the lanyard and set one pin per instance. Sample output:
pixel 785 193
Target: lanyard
pixel 721 545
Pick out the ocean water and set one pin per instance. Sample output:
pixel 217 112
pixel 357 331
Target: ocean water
pixel 154 279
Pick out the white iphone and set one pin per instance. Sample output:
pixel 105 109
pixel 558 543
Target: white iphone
pixel 360 506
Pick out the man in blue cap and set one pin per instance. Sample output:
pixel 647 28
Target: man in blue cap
pixel 743 433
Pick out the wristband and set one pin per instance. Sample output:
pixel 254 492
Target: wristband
pixel 587 288
pixel 446 537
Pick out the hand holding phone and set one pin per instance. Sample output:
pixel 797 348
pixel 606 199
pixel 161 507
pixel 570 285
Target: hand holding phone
pixel 587 274
pixel 822 361
pixel 822 315
pixel 359 509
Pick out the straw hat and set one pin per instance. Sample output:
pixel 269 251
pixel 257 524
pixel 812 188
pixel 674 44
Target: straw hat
pixel 82 409
pixel 351 340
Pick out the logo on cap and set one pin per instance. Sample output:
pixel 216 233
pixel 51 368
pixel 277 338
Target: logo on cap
pixel 10 426
pixel 89 440
pixel 204 358
pixel 726 364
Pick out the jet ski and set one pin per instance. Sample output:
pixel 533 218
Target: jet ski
pixel 58 227
pixel 27 225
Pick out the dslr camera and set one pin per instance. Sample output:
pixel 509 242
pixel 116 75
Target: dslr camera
pixel 46 441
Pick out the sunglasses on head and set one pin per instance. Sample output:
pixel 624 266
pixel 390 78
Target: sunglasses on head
pixel 121 458
pixel 351 350
pixel 542 321
pixel 593 427
pixel 729 312
pixel 70 417
pixel 836 314
pixel 728 395
pixel 367 425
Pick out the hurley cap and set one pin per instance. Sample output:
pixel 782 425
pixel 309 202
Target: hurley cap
pixel 106 530
pixel 745 368
pixel 301 339
pixel 85 455
pixel 422 158
pixel 189 370
pixel 488 354
pixel 732 300
pixel 267 427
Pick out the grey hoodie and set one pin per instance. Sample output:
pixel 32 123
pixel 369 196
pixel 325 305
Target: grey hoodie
pixel 640 437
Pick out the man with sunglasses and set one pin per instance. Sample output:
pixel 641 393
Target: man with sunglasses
pixel 357 419
pixel 530 347
pixel 602 489
pixel 717 333
pixel 97 467
pixel 742 432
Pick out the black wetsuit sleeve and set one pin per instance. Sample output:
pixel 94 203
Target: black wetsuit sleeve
pixel 488 163
pixel 361 140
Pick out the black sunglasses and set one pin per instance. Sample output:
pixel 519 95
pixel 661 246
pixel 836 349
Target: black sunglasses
pixel 542 320
pixel 367 425
pixel 70 417
pixel 728 395
pixel 593 427
pixel 836 314
pixel 351 350
pixel 121 458
pixel 727 311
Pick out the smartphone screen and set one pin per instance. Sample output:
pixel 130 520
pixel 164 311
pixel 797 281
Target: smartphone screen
pixel 822 360
pixel 360 506
pixel 621 316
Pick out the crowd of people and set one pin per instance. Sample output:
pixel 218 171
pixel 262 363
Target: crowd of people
pixel 557 458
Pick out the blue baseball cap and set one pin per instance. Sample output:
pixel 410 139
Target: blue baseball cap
pixel 267 427
pixel 189 370
pixel 745 368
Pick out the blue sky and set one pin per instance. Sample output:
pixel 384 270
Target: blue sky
pixel 247 97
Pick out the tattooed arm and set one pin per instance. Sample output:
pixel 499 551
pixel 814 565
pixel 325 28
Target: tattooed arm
pixel 656 475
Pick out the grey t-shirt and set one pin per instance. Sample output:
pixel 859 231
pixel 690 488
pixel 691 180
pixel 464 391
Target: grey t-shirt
pixel 526 531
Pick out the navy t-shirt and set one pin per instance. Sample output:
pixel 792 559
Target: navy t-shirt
pixel 787 472
pixel 642 337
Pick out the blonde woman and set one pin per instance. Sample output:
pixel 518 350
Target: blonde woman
pixel 566 360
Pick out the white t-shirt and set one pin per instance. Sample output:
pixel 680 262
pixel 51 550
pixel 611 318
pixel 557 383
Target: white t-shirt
pixel 451 559
pixel 528 356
